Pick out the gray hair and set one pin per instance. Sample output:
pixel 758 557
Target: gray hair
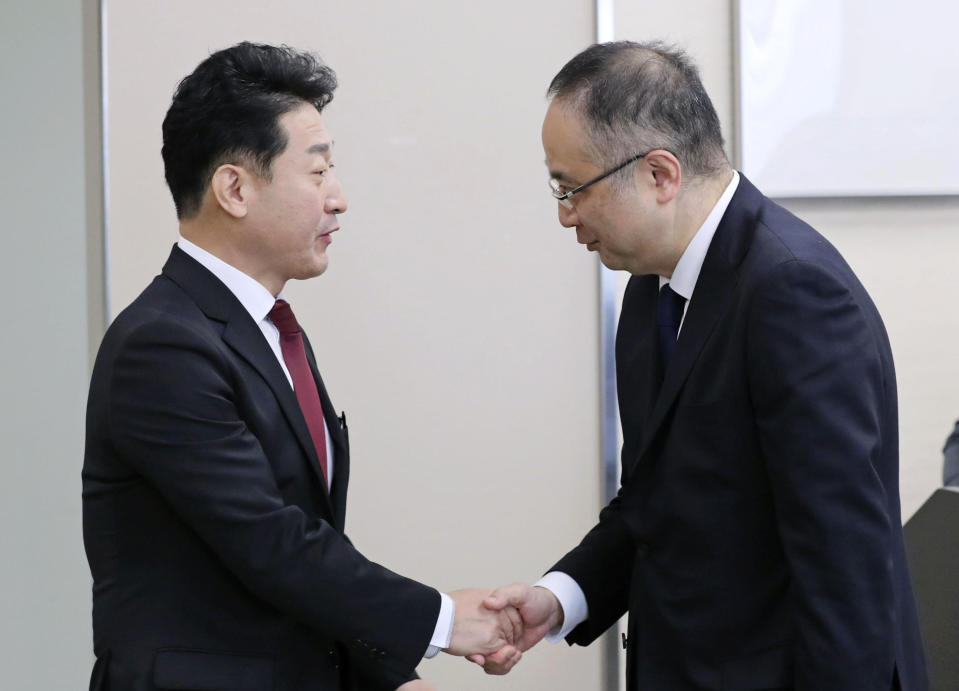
pixel 635 97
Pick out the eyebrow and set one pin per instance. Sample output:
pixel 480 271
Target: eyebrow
pixel 561 177
pixel 558 174
pixel 323 148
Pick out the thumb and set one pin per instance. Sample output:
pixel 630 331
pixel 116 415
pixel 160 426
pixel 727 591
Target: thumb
pixel 514 595
pixel 477 659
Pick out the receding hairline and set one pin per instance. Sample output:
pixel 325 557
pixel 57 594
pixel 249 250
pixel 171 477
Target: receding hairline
pixel 633 56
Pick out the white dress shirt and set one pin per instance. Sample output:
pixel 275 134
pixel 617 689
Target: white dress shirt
pixel 683 282
pixel 258 301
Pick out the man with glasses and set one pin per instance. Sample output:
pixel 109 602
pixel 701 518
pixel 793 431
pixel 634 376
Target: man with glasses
pixel 756 538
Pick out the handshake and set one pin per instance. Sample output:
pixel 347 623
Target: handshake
pixel 494 628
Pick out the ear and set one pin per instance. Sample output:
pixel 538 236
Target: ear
pixel 666 172
pixel 232 188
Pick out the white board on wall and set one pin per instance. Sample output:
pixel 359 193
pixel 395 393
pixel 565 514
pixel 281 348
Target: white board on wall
pixel 841 99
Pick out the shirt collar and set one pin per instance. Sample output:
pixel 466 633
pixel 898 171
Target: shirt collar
pixel 254 297
pixel 690 263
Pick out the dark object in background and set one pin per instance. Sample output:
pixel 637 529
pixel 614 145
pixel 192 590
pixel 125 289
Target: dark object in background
pixel 950 459
pixel 933 555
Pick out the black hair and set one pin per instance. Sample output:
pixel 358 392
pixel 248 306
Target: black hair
pixel 227 111
pixel 643 96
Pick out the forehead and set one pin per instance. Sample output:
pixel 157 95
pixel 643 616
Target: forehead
pixel 306 131
pixel 565 142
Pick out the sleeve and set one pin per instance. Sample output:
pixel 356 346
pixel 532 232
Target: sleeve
pixel 602 566
pixel 174 420
pixel 824 399
pixel 571 600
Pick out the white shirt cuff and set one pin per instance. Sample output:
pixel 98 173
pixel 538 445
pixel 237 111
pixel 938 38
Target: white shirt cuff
pixel 571 599
pixel 443 632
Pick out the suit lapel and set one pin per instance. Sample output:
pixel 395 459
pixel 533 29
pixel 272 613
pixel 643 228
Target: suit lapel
pixel 243 335
pixel 636 361
pixel 710 300
pixel 341 449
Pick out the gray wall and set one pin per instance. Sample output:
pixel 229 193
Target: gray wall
pixel 51 281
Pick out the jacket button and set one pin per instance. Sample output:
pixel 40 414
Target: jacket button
pixel 642 550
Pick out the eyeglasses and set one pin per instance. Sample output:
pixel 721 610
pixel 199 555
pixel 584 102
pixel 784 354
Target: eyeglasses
pixel 563 197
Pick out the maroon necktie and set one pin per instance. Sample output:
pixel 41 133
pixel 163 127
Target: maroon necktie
pixel 294 354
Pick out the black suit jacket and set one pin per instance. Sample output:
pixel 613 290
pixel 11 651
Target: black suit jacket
pixel 756 539
pixel 218 556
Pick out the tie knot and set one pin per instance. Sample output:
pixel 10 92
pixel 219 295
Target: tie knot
pixel 669 308
pixel 282 316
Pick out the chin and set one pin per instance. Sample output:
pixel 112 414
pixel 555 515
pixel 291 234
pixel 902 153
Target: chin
pixel 611 263
pixel 316 268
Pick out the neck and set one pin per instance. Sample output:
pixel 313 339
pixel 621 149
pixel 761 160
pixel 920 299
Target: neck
pixel 217 241
pixel 697 200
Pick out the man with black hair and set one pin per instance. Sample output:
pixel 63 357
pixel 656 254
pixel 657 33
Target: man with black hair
pixel 216 469
pixel 756 538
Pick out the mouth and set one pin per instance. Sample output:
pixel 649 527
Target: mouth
pixel 325 235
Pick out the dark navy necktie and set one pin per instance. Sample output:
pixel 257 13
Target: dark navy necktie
pixel 304 386
pixel 669 313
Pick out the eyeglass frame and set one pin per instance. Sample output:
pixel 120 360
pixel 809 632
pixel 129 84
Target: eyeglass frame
pixel 564 197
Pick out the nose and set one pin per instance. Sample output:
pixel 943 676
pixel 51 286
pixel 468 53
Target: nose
pixel 567 217
pixel 336 201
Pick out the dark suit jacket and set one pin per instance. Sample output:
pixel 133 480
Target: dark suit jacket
pixel 218 556
pixel 756 539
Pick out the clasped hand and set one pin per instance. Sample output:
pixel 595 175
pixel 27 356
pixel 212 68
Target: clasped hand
pixel 494 628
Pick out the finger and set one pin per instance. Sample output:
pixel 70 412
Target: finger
pixel 514 595
pixel 515 621
pixel 514 660
pixel 504 666
pixel 501 656
pixel 477 659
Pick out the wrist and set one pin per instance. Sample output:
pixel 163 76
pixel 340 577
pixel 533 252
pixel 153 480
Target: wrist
pixel 556 616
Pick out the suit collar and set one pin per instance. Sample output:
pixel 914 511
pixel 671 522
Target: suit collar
pixel 209 293
pixel 710 299
pixel 243 335
pixel 337 428
pixel 252 294
pixel 685 275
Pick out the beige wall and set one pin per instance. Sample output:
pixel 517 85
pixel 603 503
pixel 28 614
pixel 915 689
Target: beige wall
pixel 457 324
pixel 461 320
pixel 902 249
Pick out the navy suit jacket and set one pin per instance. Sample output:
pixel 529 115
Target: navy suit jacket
pixel 218 555
pixel 756 539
